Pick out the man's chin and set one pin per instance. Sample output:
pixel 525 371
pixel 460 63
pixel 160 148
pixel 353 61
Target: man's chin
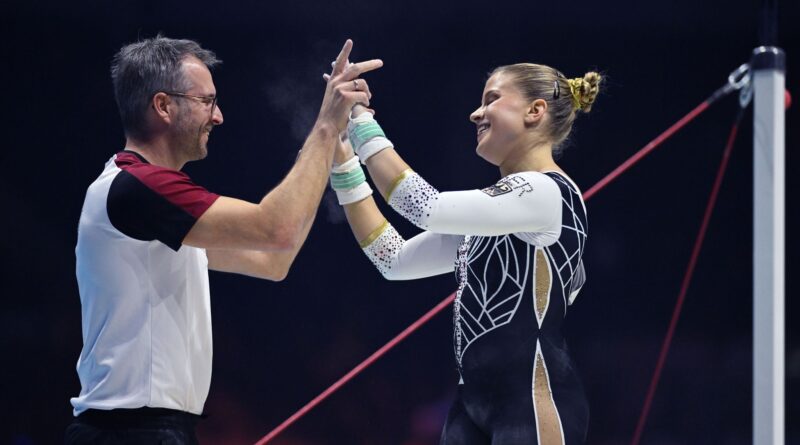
pixel 201 152
pixel 197 154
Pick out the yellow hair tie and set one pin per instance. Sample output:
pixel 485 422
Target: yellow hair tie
pixel 575 90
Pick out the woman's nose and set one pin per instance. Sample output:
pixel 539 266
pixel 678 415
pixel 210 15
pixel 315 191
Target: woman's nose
pixel 476 115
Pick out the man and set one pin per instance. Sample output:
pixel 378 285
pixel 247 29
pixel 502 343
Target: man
pixel 148 235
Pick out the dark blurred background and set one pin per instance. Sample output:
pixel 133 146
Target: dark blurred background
pixel 277 345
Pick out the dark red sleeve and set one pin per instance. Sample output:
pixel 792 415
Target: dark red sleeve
pixel 149 202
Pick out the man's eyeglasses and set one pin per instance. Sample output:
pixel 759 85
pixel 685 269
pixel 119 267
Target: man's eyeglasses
pixel 206 100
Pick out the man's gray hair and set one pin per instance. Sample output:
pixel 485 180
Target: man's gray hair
pixel 142 69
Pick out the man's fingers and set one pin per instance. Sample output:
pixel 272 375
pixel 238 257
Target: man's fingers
pixel 355 85
pixel 326 77
pixel 334 63
pixel 356 69
pixel 341 60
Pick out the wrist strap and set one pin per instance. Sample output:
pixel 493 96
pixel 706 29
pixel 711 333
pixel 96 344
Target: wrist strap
pixel 349 196
pixel 345 166
pixel 343 181
pixel 366 136
pixel 349 182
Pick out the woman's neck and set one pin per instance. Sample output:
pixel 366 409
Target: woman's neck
pixel 536 157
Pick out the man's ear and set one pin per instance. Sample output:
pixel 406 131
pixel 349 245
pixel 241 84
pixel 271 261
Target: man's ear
pixel 161 105
pixel 535 111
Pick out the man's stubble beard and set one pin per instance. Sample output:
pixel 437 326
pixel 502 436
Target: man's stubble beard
pixel 189 141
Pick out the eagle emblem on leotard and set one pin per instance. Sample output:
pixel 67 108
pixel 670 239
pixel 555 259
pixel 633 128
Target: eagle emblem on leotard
pixel 507 185
pixel 501 188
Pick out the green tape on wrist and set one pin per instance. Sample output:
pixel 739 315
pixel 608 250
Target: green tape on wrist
pixel 348 180
pixel 361 133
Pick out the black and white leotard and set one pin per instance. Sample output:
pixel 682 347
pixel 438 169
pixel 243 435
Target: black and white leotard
pixel 517 247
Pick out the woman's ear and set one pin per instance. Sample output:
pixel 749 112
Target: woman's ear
pixel 535 112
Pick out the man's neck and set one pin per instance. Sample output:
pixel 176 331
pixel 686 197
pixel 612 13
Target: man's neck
pixel 156 152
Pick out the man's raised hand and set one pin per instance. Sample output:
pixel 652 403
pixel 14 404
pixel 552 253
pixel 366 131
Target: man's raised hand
pixel 345 88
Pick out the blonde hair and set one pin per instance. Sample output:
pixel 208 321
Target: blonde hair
pixel 565 97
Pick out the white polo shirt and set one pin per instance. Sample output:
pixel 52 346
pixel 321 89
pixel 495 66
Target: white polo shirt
pixel 145 304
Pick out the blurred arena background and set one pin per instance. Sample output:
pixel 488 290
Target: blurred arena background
pixel 277 345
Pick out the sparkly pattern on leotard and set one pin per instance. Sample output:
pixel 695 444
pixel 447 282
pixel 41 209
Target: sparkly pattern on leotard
pixel 384 249
pixel 413 198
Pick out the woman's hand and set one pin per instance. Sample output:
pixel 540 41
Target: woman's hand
pixel 344 150
pixel 359 109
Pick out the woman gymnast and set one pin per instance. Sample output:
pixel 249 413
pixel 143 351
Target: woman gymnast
pixel 516 247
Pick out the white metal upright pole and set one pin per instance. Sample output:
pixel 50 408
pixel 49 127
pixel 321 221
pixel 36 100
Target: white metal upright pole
pixel 768 67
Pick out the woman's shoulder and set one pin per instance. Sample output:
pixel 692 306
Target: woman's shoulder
pixel 525 181
pixel 552 179
pixel 562 180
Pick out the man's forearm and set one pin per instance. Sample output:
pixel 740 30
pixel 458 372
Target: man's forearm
pixel 282 260
pixel 297 197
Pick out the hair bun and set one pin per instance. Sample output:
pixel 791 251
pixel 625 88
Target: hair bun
pixel 584 90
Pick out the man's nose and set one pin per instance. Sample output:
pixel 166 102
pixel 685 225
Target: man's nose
pixel 216 115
